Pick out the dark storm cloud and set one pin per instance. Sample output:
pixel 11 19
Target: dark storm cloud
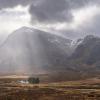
pixel 12 3
pixel 56 10
pixel 51 11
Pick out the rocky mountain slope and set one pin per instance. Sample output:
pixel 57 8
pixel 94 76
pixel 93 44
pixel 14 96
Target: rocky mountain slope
pixel 86 57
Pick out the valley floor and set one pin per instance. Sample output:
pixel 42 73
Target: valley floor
pixel 71 90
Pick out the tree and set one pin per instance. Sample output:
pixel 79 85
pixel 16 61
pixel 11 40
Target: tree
pixel 37 80
pixel 33 80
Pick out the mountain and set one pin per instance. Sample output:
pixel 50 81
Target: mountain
pixel 86 57
pixel 31 51
pixel 28 50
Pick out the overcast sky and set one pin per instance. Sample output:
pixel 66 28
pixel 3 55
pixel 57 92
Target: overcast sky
pixel 72 18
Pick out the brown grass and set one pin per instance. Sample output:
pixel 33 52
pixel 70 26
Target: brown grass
pixel 72 90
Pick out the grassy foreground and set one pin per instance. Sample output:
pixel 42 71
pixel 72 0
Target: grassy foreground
pixel 71 90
